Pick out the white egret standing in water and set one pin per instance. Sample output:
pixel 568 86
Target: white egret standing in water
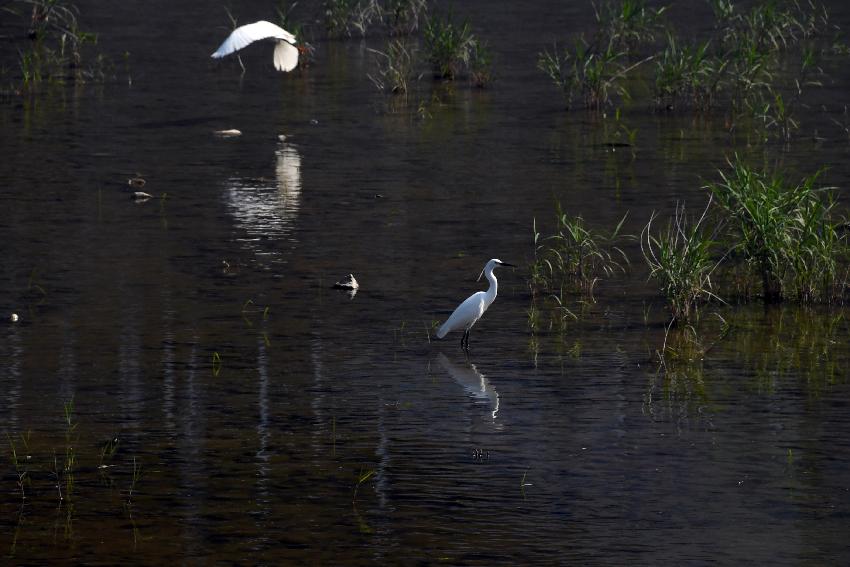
pixel 473 307
pixel 285 52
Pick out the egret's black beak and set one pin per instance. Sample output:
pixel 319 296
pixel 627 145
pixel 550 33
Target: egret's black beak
pixel 506 264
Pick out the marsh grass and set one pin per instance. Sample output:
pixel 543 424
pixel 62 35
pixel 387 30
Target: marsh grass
pixel 287 20
pixel 575 257
pixel 584 72
pixel 362 477
pixel 844 123
pixel 778 112
pixel 682 259
pixel 785 232
pixel 216 364
pixel 55 53
pixel 338 17
pixel 396 68
pixel 108 450
pixel 70 461
pixel 44 471
pixel 347 18
pixel 135 477
pixel 628 23
pixel 366 15
pixel 448 45
pixel 741 67
pixel 402 17
pixel 594 75
pixel 480 63
pixel 757 44
pixel 595 71
pixel 687 75
pixel 20 461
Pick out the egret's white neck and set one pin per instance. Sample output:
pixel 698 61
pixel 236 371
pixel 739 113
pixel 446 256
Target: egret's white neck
pixel 494 286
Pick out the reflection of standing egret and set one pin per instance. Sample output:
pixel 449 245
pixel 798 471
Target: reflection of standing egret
pixel 473 307
pixel 472 381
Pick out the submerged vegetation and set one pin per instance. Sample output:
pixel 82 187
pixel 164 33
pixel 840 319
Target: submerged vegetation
pixel 76 476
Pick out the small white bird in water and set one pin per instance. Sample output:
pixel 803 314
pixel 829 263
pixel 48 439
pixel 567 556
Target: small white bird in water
pixel 285 52
pixel 471 310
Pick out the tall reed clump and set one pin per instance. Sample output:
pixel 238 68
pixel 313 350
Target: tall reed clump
pixel 362 17
pixel 745 66
pixel 687 75
pixel 448 45
pixel 286 19
pixel 595 70
pixel 586 72
pixel 628 23
pixel 785 232
pixel 575 258
pixel 682 259
pixel 55 52
pixel 402 16
pixel 453 49
pixel 396 68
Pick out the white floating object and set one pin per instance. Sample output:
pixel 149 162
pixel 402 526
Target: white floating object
pixel 13 317
pixel 348 282
pixel 140 196
pixel 232 133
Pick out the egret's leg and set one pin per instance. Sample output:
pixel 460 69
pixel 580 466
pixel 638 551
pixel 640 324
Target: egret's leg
pixel 464 342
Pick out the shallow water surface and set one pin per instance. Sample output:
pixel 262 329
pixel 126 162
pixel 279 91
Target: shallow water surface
pixel 184 385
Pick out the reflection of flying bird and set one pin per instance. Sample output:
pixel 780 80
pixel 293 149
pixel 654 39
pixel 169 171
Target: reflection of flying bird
pixel 471 310
pixel 472 381
pixel 288 173
pixel 285 52
pixel 268 212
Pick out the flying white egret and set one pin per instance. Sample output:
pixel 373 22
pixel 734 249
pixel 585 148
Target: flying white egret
pixel 471 310
pixel 285 52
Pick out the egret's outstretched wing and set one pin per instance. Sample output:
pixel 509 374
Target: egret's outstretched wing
pixel 285 56
pixel 247 34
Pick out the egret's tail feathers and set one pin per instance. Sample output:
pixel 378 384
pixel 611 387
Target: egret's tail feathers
pixel 285 56
pixel 442 331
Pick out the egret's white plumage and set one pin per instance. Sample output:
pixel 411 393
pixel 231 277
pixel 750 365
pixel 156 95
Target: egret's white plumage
pixel 473 307
pixel 285 52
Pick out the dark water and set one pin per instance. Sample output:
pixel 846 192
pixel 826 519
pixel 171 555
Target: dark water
pixel 198 328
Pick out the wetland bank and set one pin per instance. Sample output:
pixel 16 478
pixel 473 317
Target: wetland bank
pixel 182 383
